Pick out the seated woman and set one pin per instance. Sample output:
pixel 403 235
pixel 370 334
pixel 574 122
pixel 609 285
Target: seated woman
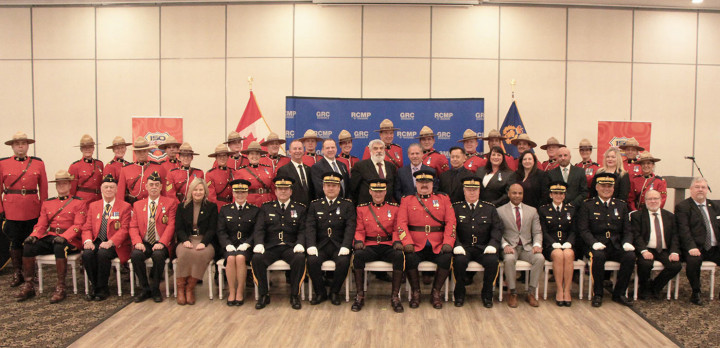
pixel 533 180
pixel 612 163
pixel 195 227
pixel 496 178
pixel 557 221
pixel 235 227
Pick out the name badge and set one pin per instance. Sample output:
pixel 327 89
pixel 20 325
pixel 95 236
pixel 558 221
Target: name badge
pixel 320 213
pixel 271 214
pixel 428 161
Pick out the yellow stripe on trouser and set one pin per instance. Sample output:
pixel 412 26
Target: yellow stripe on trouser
pixel 302 279
pixel 403 253
pixel 65 250
pixel 252 269
pixel 592 281
pixel 497 272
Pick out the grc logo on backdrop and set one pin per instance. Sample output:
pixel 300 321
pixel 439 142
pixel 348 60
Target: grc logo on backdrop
pixel 361 134
pixel 407 116
pixel 323 115
pixel 289 134
pixel 360 115
pixel 479 116
pixel 443 116
pixel 406 134
pixel 443 135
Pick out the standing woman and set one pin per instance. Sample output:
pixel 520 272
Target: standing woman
pixel 88 172
pixel 259 175
pixel 195 226
pixel 533 180
pixel 496 178
pixel 612 163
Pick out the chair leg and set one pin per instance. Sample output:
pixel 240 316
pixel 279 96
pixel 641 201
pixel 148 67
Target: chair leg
pixel 40 276
pixel 211 273
pixel 547 273
pixel 500 286
pixel 220 282
pixel 712 284
pixel 74 276
pixel 132 278
pixel 87 288
pixel 167 278
pixel 581 283
pixel 347 289
pixel 117 278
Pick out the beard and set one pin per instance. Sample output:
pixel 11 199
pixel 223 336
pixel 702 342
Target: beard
pixel 378 158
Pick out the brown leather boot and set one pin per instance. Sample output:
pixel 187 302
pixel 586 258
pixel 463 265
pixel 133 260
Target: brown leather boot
pixel 27 290
pixel 359 285
pixel 190 290
pixel 395 302
pixel 17 261
pixel 440 277
pixel 59 294
pixel 181 281
pixel 414 279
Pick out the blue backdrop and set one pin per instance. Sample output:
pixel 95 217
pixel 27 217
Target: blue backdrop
pixel 448 118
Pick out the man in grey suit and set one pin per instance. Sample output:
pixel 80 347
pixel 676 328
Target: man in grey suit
pixel 577 189
pixel 522 240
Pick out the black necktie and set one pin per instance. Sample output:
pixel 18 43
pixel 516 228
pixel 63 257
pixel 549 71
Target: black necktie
pixel 302 177
pixel 472 206
pixel 282 207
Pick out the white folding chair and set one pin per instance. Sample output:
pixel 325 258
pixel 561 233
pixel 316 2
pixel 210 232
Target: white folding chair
pixel 149 264
pixel 49 259
pixel 520 265
pixel 613 266
pixel 427 266
pixel 578 265
pixel 114 263
pixel 657 267
pixel 472 267
pixel 330 266
pixel 210 275
pixel 279 265
pixel 221 269
pixel 707 266
pixel 377 266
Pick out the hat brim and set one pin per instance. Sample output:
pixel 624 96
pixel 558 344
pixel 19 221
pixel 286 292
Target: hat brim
pixel 532 143
pixel 60 180
pixel 215 154
pixel 500 137
pixel 624 147
pixel 165 145
pixel 653 160
pixel 426 135
pixel 544 147
pixel 29 141
pixel 149 147
pixel 248 151
pixel 266 142
pixel 386 129
pixel 308 138
pixel 585 147
pixel 237 139
pixel 470 138
pixel 121 144
pixel 188 153
pixel 81 145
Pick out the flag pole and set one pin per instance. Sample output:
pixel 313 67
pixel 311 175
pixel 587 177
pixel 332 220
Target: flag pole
pixel 512 88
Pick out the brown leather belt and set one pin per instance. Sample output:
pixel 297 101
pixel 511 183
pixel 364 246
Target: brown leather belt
pixel 259 191
pixel 57 230
pixel 426 228
pixel 379 239
pixel 21 192
pixel 89 190
pixel 227 199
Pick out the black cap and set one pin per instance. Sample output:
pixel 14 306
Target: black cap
pixel 472 182
pixel 378 184
pixel 155 176
pixel 558 187
pixel 240 185
pixel 331 178
pixel 605 178
pixel 424 175
pixel 109 178
pixel 283 181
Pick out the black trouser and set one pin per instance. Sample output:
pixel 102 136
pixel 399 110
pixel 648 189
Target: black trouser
pixel 342 264
pixel 644 268
pixel 412 260
pixel 97 264
pixel 138 258
pixel 260 263
pixel 597 268
pixel 382 252
pixel 17 231
pixel 490 263
pixel 47 246
pixel 694 263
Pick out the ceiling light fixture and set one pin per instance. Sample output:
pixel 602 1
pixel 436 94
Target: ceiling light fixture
pixel 697 1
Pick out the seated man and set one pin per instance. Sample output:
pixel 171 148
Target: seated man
pixel 522 240
pixel 604 225
pixel 479 230
pixel 281 227
pixel 656 238
pixel 56 232
pixel 329 230
pixel 152 232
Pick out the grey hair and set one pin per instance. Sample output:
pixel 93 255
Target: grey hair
pixel 698 179
pixel 414 145
pixel 376 141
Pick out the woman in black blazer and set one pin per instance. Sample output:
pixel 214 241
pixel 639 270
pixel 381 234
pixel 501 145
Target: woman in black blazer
pixel 496 177
pixel 612 163
pixel 195 226
pixel 533 180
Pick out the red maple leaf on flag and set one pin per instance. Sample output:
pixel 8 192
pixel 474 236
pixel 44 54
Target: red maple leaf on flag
pixel 252 125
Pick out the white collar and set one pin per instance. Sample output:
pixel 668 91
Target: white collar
pixel 476 202
pixel 286 202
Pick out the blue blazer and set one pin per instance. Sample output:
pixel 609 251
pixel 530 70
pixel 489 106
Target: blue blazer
pixel 404 185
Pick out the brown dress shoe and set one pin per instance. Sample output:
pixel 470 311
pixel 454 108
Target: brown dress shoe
pixel 512 300
pixel 532 300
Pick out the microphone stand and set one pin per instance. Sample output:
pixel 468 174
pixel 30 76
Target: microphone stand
pixel 700 171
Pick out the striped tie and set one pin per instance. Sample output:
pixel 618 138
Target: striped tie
pixel 102 235
pixel 708 227
pixel 151 231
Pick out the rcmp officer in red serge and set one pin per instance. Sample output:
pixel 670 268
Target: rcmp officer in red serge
pixel 376 239
pixel 479 231
pixel 646 180
pixel 133 176
pixel 179 179
pixel 273 159
pixel 474 159
pixel 426 227
pixel 523 143
pixel 218 178
pixel 280 234
pixel 152 232
pixel 234 143
pixel 119 146
pixel 630 162
pixel 604 225
pixel 309 141
pixel 105 237
pixel 345 143
pixel 24 187
pixel 590 167
pixel 57 232
pixel 88 172
pixel 494 138
pixel 259 175
pixel 551 147
pixel 431 157
pixel 171 147
pixel 393 152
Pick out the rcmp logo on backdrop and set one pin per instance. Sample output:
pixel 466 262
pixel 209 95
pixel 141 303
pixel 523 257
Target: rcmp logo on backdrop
pixel 443 135
pixel 290 114
pixel 360 115
pixel 324 134
pixel 155 139
pixel 443 116
pixel 407 116
pixel 406 134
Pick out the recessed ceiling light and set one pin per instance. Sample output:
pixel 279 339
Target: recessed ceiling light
pixel 697 1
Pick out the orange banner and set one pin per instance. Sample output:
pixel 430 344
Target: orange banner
pixel 616 133
pixel 156 130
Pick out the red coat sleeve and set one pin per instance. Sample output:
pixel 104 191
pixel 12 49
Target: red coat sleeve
pixel 402 221
pixel 41 226
pixel 122 234
pixel 80 216
pixel 169 232
pixel 449 233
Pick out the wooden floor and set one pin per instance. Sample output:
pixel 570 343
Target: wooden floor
pixel 213 324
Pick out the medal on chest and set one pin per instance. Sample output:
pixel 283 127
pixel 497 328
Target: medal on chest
pixel 569 217
pixel 293 214
pixel 435 203
pixel 389 214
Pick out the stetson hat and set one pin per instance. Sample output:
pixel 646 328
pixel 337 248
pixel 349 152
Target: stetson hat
pixel 62 175
pixel 169 141
pixel 155 176
pixel 186 149
pixel 494 134
pixel 240 185
pixel 585 145
pixel 86 140
pixel 647 157
pixel 425 132
pixel 631 143
pixel 141 144
pixel 109 178
pixel 344 136
pixel 283 181
pixel 272 137
pixel 386 125
pixel 331 178
pixel 118 141
pixel 253 147
pixel 18 137
pixel 558 187
pixel 468 134
pixel 221 149
pixel 472 182
pixel 605 178
pixel 523 137
pixel 424 175
pixel 310 134
pixel 551 142
pixel 234 136
pixel 378 184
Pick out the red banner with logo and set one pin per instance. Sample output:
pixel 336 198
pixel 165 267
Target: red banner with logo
pixel 616 133
pixel 156 130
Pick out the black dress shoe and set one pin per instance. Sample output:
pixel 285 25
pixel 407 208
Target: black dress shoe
pixel 560 303
pixel 230 303
pixel 695 299
pixel 318 299
pixel 335 298
pixel 157 298
pixel 295 302
pixel 238 302
pixel 487 302
pixel 102 296
pixel 568 303
pixel 459 301
pixel 597 301
pixel 263 301
pixel 142 296
pixel 90 297
pixel 623 300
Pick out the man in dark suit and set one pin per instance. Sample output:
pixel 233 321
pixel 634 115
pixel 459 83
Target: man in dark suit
pixel 451 181
pixel 698 221
pixel 655 239
pixel 577 189
pixel 329 164
pixel 373 168
pixel 406 181
pixel 302 187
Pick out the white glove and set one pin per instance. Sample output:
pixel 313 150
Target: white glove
pixel 598 246
pixel 567 245
pixel 556 245
pixel 243 246
pixel 312 251
pixel 628 247
pixel 490 249
pixel 458 250
pixel 259 249
pixel 298 248
pixel 344 251
pixel 230 248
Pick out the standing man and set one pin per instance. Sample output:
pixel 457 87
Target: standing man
pixel 171 147
pixel 218 178
pixel 24 186
pixel 451 181
pixel 573 176
pixel 587 164
pixel 474 159
pixel 152 229
pixel 179 179
pixel 119 147
pixel 522 240
pixel 234 143
pixel 632 148
pixel 426 227
pixel 328 163
pixel 133 176
pixel 393 152
pixel 551 147
pixel 604 225
pixel 406 175
pixel 479 230
pixel 329 232
pixel 494 138
pixel 105 236
pixel 273 159
pixel 647 180
pixel 376 167
pixel 345 141
pixel 523 143
pixel 309 141
pixel 431 157
pixel 87 172
pixel 302 186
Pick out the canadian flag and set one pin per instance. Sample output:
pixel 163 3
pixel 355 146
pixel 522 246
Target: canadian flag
pixel 252 125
